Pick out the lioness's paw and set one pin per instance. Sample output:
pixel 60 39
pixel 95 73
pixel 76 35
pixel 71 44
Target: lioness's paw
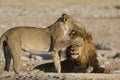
pixel 34 71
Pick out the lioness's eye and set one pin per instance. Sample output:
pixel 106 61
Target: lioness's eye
pixel 73 32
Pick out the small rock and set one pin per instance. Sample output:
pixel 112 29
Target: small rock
pixel 117 55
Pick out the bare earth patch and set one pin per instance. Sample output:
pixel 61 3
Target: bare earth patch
pixel 100 17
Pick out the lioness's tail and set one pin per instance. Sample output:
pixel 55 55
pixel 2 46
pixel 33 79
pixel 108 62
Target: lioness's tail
pixel 2 39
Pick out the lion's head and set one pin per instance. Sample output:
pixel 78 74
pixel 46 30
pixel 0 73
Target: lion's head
pixel 85 55
pixel 64 23
pixel 63 32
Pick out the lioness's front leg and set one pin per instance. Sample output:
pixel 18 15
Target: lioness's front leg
pixel 56 60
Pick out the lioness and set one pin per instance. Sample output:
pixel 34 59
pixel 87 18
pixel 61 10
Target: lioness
pixel 53 38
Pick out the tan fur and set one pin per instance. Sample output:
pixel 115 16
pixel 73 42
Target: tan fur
pixel 53 38
pixel 86 56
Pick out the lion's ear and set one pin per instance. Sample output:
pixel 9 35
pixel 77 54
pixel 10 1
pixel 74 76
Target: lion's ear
pixel 65 17
pixel 89 36
pixel 64 14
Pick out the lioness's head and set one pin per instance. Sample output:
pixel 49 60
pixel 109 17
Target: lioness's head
pixel 67 20
pixel 64 30
pixel 66 24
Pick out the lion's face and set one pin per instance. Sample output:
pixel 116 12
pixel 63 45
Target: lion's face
pixel 68 26
pixel 64 33
pixel 73 51
pixel 68 20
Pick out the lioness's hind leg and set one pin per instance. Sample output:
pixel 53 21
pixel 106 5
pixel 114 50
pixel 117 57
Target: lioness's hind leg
pixel 15 49
pixel 7 56
pixel 16 59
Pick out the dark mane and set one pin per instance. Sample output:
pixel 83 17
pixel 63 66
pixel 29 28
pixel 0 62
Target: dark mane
pixel 81 31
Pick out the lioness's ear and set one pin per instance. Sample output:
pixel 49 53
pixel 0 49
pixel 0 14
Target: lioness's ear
pixel 65 17
pixel 64 14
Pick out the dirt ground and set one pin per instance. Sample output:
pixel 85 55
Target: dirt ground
pixel 100 17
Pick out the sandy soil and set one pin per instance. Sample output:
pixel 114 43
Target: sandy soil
pixel 100 17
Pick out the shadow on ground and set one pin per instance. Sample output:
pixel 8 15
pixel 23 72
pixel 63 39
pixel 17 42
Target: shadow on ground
pixel 67 67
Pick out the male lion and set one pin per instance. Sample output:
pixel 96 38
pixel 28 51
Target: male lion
pixel 53 38
pixel 83 56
